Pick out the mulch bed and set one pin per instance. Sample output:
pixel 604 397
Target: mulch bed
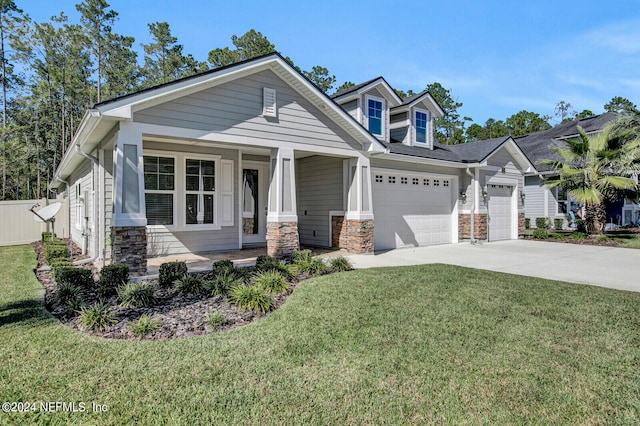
pixel 180 315
pixel 593 240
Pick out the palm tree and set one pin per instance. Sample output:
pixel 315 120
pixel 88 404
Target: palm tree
pixel 597 167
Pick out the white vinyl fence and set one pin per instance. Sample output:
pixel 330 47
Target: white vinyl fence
pixel 17 224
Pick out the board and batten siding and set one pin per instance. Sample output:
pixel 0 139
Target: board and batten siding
pixel 319 191
pixel 508 173
pixel 235 108
pixel 164 241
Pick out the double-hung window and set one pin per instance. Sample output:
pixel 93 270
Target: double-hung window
pixel 200 192
pixel 78 207
pixel 421 119
pixel 159 189
pixel 375 114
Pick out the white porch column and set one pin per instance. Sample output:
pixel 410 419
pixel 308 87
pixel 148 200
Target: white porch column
pixel 129 221
pixel 356 234
pixel 282 215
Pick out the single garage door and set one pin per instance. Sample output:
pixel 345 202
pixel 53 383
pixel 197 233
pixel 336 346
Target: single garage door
pixel 500 215
pixel 411 210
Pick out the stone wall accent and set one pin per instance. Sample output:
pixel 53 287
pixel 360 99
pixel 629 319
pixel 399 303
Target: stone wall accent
pixel 129 245
pixel 521 227
pixel 282 238
pixel 355 236
pixel 480 226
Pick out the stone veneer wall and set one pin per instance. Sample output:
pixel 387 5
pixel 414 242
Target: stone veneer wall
pixel 129 245
pixel 356 236
pixel 480 226
pixel 282 238
pixel 521 223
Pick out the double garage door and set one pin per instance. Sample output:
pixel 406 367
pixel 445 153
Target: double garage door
pixel 412 210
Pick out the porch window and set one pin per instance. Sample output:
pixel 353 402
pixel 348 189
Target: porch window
pixel 159 189
pixel 421 127
pixel 561 199
pixel 200 188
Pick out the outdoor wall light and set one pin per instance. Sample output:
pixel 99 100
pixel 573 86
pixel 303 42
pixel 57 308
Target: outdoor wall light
pixel 484 194
pixel 463 197
pixel 522 196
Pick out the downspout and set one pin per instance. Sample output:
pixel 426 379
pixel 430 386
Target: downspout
pixel 473 206
pixel 96 211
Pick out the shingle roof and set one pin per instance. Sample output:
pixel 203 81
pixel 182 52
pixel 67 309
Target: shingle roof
pixel 354 88
pixel 537 146
pixel 462 153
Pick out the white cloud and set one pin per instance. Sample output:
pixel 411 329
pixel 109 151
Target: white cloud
pixel 621 37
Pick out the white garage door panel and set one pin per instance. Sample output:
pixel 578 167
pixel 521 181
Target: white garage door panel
pixel 411 210
pixel 500 215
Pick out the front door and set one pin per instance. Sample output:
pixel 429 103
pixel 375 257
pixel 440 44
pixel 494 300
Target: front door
pixel 254 203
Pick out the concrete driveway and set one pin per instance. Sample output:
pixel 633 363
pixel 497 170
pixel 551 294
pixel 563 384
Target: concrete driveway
pixel 594 265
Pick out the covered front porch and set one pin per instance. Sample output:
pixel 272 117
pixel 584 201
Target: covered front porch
pixel 178 196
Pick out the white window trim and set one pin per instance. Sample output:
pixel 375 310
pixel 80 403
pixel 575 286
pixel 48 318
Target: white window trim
pixel 216 194
pixel 383 118
pixel 427 140
pixel 179 192
pixel 164 154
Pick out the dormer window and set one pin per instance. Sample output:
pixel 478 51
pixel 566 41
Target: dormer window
pixel 421 120
pixel 375 115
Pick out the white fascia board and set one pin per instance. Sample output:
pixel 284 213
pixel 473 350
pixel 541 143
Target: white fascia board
pixel 389 94
pixel 423 160
pixel 515 151
pixel 89 122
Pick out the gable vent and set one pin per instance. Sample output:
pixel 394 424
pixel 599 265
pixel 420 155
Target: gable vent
pixel 269 102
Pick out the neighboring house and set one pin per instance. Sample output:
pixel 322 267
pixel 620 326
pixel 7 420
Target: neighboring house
pixel 255 154
pixel 553 203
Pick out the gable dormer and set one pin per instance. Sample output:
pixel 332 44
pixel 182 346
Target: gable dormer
pixel 370 104
pixel 411 123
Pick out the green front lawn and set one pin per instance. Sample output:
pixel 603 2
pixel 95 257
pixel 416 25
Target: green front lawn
pixel 426 344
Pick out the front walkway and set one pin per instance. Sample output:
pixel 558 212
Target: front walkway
pixel 595 265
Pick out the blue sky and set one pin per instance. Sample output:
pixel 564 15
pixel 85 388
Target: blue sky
pixel 496 57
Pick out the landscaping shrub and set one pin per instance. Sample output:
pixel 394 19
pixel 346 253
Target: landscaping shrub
pixel 541 222
pixel 301 255
pixel 251 297
pixel 311 265
pixel 46 237
pixel 266 263
pixel 222 265
pixel 54 251
pixel 58 264
pixel 271 282
pixel 216 319
pixel 112 277
pixel 170 272
pixel 578 236
pixel 225 280
pixel 557 236
pixel 191 284
pixel 540 233
pixel 78 277
pixel 527 223
pixel 73 305
pixel 96 317
pixel 66 291
pixel 340 264
pixel 557 224
pixel 603 238
pixel 144 325
pixel 581 226
pixel 137 294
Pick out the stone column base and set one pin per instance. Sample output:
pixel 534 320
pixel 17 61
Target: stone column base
pixel 282 238
pixel 129 245
pixel 480 226
pixel 355 236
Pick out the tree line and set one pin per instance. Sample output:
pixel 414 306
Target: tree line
pixel 52 72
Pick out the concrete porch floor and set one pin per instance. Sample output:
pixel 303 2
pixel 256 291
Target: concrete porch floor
pixel 202 262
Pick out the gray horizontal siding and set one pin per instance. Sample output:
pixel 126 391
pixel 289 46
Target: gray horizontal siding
pixel 320 190
pixel 235 108
pixel 534 199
